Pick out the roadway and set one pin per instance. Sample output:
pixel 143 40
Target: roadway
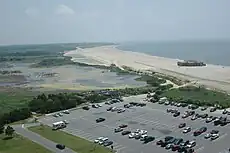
pixel 50 145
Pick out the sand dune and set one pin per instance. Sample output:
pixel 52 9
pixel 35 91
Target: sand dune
pixel 213 76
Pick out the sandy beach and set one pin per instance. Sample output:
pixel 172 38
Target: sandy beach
pixel 212 76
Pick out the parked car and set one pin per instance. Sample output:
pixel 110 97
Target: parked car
pixel 203 108
pixel 103 140
pixel 100 120
pixel 108 143
pixel 176 114
pixel 186 130
pixel 98 139
pixel 181 125
pixel 65 112
pixel 55 115
pixel 159 142
pixel 214 136
pixel 168 146
pixel 143 137
pixel 184 104
pixel 59 114
pixel 185 115
pixel 204 115
pixel 109 109
pixel 209 119
pixel 213 109
pixel 126 132
pixel 200 131
pixel 194 117
pixel 60 146
pixel 191 144
pixel 123 126
pixel 85 107
pixel 214 132
pixel 132 135
pixel 224 111
pixel 121 111
pixel 168 138
pixel 118 130
pixel 149 139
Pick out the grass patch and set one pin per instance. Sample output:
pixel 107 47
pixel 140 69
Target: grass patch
pixel 19 144
pixel 151 80
pixel 75 143
pixel 13 99
pixel 200 96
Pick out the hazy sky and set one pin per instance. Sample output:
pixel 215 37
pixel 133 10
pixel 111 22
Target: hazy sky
pixel 50 21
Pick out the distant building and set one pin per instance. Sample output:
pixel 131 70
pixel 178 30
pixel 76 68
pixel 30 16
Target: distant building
pixel 191 63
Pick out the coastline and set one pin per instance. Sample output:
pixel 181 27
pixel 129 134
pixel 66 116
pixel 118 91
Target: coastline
pixel 210 76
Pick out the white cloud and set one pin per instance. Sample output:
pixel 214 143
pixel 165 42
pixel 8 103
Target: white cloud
pixel 32 12
pixel 64 10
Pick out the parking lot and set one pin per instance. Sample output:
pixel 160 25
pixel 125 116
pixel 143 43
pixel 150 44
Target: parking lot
pixel 152 118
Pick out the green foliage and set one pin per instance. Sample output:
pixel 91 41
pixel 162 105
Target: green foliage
pixel 199 96
pixel 75 143
pixel 151 80
pixel 14 99
pixel 15 115
pixel 52 103
pixel 2 128
pixel 10 72
pixel 53 62
pixel 19 144
pixel 9 131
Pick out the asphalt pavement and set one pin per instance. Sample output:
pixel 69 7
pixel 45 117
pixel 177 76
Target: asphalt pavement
pixel 50 145
pixel 152 118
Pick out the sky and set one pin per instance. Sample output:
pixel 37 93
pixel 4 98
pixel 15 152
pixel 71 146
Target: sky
pixel 64 21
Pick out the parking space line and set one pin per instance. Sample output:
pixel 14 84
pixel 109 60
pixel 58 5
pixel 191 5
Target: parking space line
pixel 200 149
pixel 221 137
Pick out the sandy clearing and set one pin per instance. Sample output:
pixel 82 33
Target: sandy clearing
pixel 212 76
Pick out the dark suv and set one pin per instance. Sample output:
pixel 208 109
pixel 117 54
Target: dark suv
pixel 100 120
pixel 60 146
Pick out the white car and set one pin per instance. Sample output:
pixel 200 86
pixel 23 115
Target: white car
pixel 186 130
pixel 103 140
pixel 143 132
pixel 143 137
pixel 66 112
pixel 98 105
pixel 178 104
pixel 66 122
pixel 60 114
pixel 55 115
pixel 132 135
pixel 98 139
pixel 191 144
pixel 166 103
pixel 207 136
pixel 114 109
pixel 214 136
pixel 208 119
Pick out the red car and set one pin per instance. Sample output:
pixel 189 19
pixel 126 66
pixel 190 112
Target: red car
pixel 175 147
pixel 123 126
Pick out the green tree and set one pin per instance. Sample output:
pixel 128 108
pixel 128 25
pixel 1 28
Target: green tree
pixel 2 128
pixel 9 131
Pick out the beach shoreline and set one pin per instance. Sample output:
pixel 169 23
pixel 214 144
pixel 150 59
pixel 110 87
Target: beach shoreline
pixel 210 76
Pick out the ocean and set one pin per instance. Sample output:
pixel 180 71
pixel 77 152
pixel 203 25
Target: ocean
pixel 211 52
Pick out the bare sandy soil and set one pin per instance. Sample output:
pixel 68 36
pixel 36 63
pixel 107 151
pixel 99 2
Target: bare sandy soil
pixel 212 76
